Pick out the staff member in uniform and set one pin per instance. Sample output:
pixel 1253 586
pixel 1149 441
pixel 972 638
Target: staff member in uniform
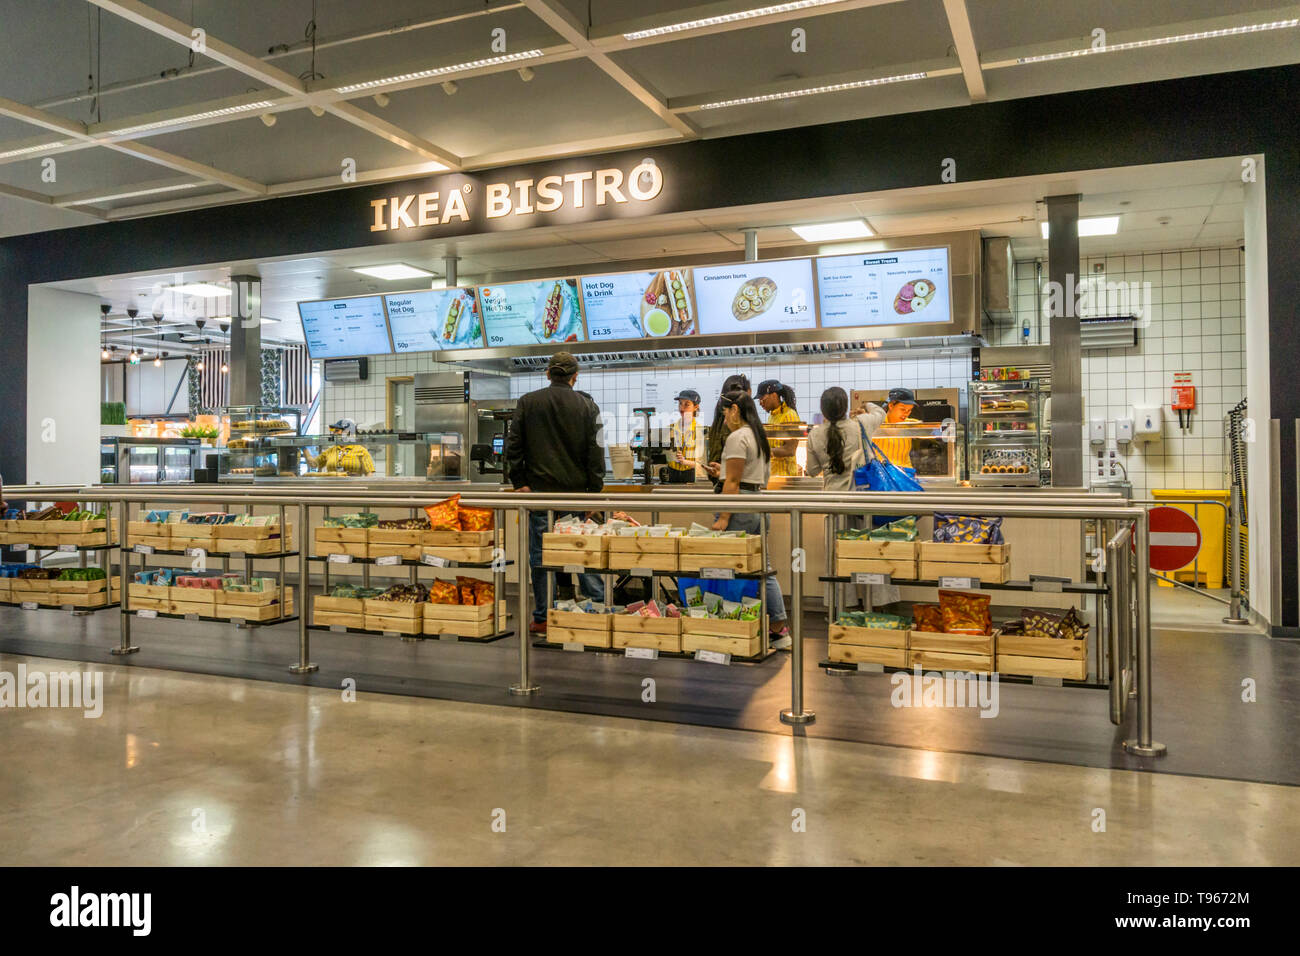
pixel 553 447
pixel 778 401
pixel 684 435
pixel 718 431
pixel 898 408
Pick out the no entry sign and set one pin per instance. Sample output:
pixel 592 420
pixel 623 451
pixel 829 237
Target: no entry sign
pixel 1175 538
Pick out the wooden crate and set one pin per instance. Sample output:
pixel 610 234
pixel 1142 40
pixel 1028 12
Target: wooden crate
pixel 735 646
pixel 640 551
pixel 457 539
pixel 201 608
pixel 323 549
pixel 253 598
pixel 155 592
pixel 161 605
pixel 6 589
pixel 556 634
pixel 407 552
pixel 185 536
pixel 27 586
pixel 564 549
pixel 1042 667
pixel 394 625
pixel 867 654
pixel 206 596
pixel 158 543
pixel 719 627
pixel 632 630
pixel 879 550
pixel 394 609
pixel 266 612
pixel 251 539
pixel 1042 656
pixel 88 600
pixel 743 555
pixel 322 603
pixel 338 619
pixel 579 620
pixel 461 555
pixel 463 620
pixel 404 536
pixel 669 643
pixel 981 644
pixel 964 553
pixel 868 636
pixel 147 531
pixel 940 661
pixel 84 587
pixel 988 573
pixel 902 568
pixel 351 535
pixel 75 527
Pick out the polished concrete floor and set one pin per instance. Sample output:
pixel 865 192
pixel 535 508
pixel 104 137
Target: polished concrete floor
pixel 194 769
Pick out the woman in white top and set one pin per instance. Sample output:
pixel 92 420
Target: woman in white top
pixel 746 464
pixel 835 447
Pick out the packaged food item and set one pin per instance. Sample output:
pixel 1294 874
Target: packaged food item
pixel 445 515
pixel 694 596
pixel 889 622
pixel 484 592
pixel 904 529
pixel 967 529
pixel 634 607
pixel 697 612
pixel 361 519
pixel 927 617
pixel 1014 626
pixel 713 603
pixel 730 610
pixel 409 594
pixel 749 612
pixel 1072 627
pixel 444 592
pixel 672 610
pixel 476 519
pixel 465 588
pixel 851 534
pixel 965 613
pixel 404 524
pixel 1040 623
pixel 651 609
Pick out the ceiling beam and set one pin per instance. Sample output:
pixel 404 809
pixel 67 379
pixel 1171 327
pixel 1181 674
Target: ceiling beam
pixel 393 133
pixel 963 38
pixel 579 147
pixel 563 22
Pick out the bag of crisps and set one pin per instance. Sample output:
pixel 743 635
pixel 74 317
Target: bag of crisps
pixel 444 592
pixel 476 519
pixel 965 613
pixel 484 592
pixel 927 617
pixel 466 588
pixel 445 515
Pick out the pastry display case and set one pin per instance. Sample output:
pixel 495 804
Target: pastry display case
pixel 1005 437
pixel 251 450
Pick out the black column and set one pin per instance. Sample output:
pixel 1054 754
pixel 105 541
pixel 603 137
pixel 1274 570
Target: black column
pixel 1067 366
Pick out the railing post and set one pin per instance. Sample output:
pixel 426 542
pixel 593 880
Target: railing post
pixel 304 665
pixel 796 714
pixel 1234 557
pixel 124 610
pixel 525 686
pixel 1143 745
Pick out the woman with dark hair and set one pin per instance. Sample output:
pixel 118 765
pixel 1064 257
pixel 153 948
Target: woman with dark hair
pixel 747 458
pixel 778 401
pixel 718 431
pixel 835 448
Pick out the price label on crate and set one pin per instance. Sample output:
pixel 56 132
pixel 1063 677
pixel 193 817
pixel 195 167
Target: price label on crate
pixel 960 584
pixel 238 621
pixel 870 577
pixel 27 547
pixel 574 646
pixel 338 629
pixel 195 553
pixel 340 559
pixel 453 638
pixel 1048 586
pixel 237 555
pixel 642 572
pixel 575 568
pixel 388 559
pixel 433 561
pixel 191 617
pixel 146 613
pixel 143 549
pixel 723 574
pixel 642 653
pixel 30 605
pixel 870 667
pixel 67 547
pixel 713 657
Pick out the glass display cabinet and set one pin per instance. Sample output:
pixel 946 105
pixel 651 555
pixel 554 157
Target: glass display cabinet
pixel 251 452
pixel 1005 437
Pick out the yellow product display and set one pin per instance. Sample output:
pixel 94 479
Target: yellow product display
pixel 350 459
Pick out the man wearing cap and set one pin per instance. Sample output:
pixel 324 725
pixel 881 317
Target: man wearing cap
pixel 898 407
pixel 553 447
pixel 684 435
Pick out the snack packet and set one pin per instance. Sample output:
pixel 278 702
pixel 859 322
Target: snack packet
pixel 697 612
pixel 730 610
pixel 965 613
pixel 634 607
pixel 650 610
pixel 694 596
pixel 1072 627
pixel 927 617
pixel 1040 624
pixel 713 603
pixel 445 515
pixel 475 519
pixel 484 592
pixel 904 529
pixel 444 592
pixel 672 610
pixel 967 529
pixel 465 589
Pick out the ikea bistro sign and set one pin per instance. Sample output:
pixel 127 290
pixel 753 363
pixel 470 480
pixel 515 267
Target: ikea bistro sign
pixel 577 194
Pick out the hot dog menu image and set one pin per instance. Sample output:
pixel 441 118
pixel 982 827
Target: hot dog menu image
pixel 337 328
pixel 756 297
pixel 531 313
pixel 638 304
pixel 428 321
pixel 884 288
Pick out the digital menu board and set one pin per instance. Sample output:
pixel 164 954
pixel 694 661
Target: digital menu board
pixel 772 296
pixel 431 321
pixel 637 304
pixel 341 328
pixel 884 288
pixel 531 313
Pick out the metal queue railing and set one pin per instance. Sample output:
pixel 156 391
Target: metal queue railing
pixel 1124 625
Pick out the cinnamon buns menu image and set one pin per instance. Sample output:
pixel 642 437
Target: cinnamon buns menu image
pixel 771 296
pixel 531 313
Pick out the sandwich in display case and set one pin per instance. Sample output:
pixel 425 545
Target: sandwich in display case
pixel 250 452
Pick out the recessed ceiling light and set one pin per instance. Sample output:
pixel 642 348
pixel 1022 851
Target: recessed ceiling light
pixel 129 194
pixel 830 231
pixel 438 71
pixel 40 147
pixel 205 290
pixel 814 91
pixel 192 118
pixel 685 25
pixel 392 272
pixel 1163 41
pixel 1096 226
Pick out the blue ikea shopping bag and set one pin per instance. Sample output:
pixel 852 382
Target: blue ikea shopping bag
pixel 881 474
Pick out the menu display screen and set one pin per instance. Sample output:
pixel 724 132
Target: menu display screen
pixel 342 328
pixel 531 313
pixel 639 304
pixel 884 288
pixel 773 296
pixel 431 321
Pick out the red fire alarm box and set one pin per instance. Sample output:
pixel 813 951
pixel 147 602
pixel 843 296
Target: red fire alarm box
pixel 1183 398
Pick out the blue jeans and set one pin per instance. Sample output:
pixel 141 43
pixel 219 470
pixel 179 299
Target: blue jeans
pixel 751 524
pixel 590 584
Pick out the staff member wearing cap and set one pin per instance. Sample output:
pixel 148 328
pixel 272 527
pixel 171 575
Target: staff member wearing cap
pixel 684 436
pixel 898 408
pixel 778 401
pixel 553 446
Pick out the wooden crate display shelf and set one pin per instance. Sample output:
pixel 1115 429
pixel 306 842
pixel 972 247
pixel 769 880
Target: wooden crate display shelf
pixel 740 554
pixel 1030 656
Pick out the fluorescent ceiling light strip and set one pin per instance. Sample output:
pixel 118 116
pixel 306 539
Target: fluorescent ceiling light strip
pixel 439 71
pixel 133 193
pixel 831 231
pixel 728 18
pixel 25 150
pixel 1163 41
pixel 205 289
pixel 393 271
pixel 181 120
pixel 1093 226
pixel 814 90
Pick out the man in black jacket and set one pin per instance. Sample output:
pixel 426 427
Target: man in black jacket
pixel 553 446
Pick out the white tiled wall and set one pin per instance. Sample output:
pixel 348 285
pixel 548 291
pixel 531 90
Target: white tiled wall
pixel 1195 325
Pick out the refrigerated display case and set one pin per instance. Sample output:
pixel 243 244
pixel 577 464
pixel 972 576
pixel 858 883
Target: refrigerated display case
pixel 148 461
pixel 250 451
pixel 1005 436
